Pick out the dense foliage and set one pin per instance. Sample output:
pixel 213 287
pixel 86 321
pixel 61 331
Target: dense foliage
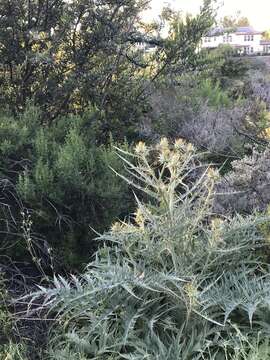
pixel 74 82
pixel 172 242
pixel 67 55
pixel 175 281
pixel 61 53
pixel 63 179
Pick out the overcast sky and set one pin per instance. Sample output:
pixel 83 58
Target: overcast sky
pixel 258 11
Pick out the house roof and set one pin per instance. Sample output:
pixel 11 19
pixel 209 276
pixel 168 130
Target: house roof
pixel 265 42
pixel 241 30
pixel 247 30
pixel 215 31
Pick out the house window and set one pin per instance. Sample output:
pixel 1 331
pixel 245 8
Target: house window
pixel 251 50
pixel 227 39
pixel 248 38
pixel 215 39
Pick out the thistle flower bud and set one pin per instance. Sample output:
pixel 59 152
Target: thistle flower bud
pixel 139 217
pixel 164 144
pixel 213 174
pixel 192 293
pixel 179 143
pixel 174 160
pixel 190 148
pixel 164 156
pixel 216 223
pixel 141 148
pixel 116 227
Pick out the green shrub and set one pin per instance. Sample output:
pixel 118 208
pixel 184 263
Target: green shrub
pixel 64 179
pixel 223 63
pixel 213 94
pixel 175 281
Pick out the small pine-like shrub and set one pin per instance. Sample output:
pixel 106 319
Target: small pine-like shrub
pixel 64 179
pixel 213 94
pixel 175 281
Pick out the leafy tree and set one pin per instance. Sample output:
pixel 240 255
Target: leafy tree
pixel 180 51
pixel 266 35
pixel 65 55
pixel 232 21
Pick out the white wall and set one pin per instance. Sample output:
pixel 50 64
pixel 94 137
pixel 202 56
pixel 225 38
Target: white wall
pixel 234 39
pixel 243 41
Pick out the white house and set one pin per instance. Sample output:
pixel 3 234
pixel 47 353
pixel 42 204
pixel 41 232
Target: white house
pixel 245 39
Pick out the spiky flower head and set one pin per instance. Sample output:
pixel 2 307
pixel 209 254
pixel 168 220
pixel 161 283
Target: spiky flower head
pixel 139 217
pixel 216 223
pixel 192 293
pixel 141 148
pixel 213 174
pixel 174 161
pixel 116 227
pixel 216 231
pixel 164 156
pixel 190 148
pixel 164 144
pixel 179 144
